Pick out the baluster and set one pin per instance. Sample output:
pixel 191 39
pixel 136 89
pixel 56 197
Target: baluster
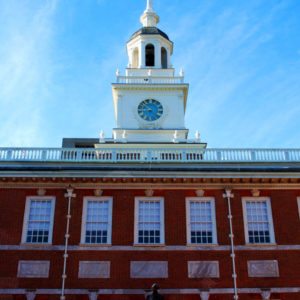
pixel 44 155
pixel 219 155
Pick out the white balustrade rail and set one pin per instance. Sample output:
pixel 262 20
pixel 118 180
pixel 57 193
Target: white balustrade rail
pixel 150 79
pixel 115 155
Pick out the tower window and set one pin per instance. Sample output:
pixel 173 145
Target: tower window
pixel 150 57
pixel 164 58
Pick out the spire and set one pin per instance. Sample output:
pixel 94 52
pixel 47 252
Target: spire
pixel 149 17
pixel 149 6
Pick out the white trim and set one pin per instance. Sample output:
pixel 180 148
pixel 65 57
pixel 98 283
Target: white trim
pixel 182 291
pixel 213 215
pixel 188 248
pixel 26 216
pixel 270 219
pixel 298 200
pixel 83 219
pixel 162 219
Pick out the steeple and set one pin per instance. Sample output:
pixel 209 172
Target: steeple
pixel 150 100
pixel 149 18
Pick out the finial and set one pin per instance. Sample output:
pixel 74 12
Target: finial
pixel 181 72
pixel 101 137
pixel 175 137
pixel 149 17
pixel 124 135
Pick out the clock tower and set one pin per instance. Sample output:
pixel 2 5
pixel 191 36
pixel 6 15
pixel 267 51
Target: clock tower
pixel 150 100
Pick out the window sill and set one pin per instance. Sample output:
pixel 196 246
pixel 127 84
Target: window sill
pixel 95 245
pixel 202 245
pixel 149 245
pixel 37 245
pixel 260 245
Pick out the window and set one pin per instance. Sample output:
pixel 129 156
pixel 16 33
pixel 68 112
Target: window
pixel 201 220
pixel 150 56
pixel 38 220
pixel 258 220
pixel 149 220
pixel 96 220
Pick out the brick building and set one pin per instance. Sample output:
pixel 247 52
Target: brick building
pixel 105 219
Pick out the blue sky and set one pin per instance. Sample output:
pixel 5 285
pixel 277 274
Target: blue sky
pixel 241 58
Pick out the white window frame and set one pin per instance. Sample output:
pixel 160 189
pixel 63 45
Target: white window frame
pixel 188 200
pixel 298 200
pixel 26 218
pixel 83 219
pixel 270 219
pixel 162 220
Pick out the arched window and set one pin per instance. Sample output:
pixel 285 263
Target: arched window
pixel 164 58
pixel 135 58
pixel 150 59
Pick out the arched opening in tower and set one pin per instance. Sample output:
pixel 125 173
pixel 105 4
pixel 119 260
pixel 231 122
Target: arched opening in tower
pixel 135 58
pixel 164 58
pixel 150 57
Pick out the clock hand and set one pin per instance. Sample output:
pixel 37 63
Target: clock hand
pixel 148 108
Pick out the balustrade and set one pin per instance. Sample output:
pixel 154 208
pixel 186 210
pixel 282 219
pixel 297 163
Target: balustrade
pixel 177 155
pixel 150 80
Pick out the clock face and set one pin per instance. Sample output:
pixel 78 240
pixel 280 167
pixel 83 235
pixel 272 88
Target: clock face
pixel 150 110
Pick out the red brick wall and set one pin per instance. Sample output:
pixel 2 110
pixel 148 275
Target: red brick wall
pixel 286 224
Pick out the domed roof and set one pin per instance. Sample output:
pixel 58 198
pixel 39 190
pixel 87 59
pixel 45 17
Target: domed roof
pixel 149 30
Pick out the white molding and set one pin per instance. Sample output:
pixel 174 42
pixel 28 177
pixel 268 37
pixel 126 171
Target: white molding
pixel 84 213
pixel 183 291
pixel 213 215
pixel 162 219
pixel 26 216
pixel 298 200
pixel 270 219
pixel 157 247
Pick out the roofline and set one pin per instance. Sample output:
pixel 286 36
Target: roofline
pixel 187 170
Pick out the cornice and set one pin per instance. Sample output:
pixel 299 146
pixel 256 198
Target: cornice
pixel 127 183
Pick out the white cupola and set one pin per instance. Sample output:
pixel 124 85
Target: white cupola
pixel 150 100
pixel 149 47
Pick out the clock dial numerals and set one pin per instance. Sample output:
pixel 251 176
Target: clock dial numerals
pixel 150 110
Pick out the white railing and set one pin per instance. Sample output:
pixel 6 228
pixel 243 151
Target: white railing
pixel 179 155
pixel 150 79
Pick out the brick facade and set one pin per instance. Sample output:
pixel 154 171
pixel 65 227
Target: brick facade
pixel 175 252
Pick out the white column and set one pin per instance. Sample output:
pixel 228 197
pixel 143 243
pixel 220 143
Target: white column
pixel 142 52
pixel 157 55
pixel 204 295
pixel 30 295
pixel 169 58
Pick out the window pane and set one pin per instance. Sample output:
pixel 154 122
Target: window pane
pixel 149 225
pixel 258 222
pixel 39 220
pixel 201 222
pixel 97 222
